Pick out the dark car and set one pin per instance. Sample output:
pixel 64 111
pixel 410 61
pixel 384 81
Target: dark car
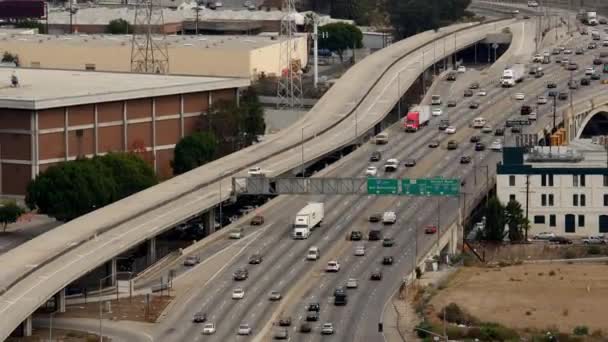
pixel 499 132
pixel 525 110
pixel 376 156
pixel 434 144
pixel 452 103
pixel 388 242
pixel 596 76
pixel 452 145
pixel 551 85
pixel 592 46
pixel 375 217
pixel 465 160
pixel 257 220
pixel 552 93
pixel 562 96
pixel 443 125
pixel 603 21
pixel 539 74
pixel 572 66
pixel 374 235
pixel 356 235
pixel 451 77
pixel 598 61
pixel 199 317
pixel 475 138
pixel 474 85
pixel 479 146
pixel 285 321
pixel 468 93
pixel 474 105
pixel 515 129
pixel 410 162
pixel 387 260
pixel 312 316
pixel 240 274
pixel 560 240
pixel 313 307
pixel 579 51
pixel 305 327
pixel 585 81
pixel 376 275
pixel 255 259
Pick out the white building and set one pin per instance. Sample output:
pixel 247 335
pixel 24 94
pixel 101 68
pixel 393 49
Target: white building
pixel 568 187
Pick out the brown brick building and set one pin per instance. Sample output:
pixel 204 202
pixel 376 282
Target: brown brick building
pixel 58 115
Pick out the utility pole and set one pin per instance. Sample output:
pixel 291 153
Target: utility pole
pixel 315 37
pixel 527 200
pixel 197 9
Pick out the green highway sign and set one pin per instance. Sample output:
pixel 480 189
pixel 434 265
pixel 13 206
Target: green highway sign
pixel 430 187
pixel 379 186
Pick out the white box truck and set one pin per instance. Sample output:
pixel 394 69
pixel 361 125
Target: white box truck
pixel 307 219
pixel 590 18
pixel 513 74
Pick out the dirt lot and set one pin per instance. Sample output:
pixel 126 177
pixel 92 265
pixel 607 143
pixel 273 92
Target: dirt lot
pixel 59 335
pixel 532 296
pixel 135 309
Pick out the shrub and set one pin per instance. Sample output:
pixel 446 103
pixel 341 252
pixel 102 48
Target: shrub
pixel 551 273
pixel 454 314
pixel 496 332
pixel 455 333
pixel 581 330
pixel 425 326
pixel 594 250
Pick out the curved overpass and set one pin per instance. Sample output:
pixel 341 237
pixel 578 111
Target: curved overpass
pixel 33 272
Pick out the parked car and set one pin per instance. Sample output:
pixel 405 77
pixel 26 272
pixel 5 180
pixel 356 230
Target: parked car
pixel 544 236
pixel 594 240
pixel 560 240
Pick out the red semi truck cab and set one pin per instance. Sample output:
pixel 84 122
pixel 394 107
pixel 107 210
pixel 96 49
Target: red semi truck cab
pixel 411 122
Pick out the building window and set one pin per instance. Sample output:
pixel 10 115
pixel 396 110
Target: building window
pixel 543 200
pixel 575 200
pixel 582 200
pixel 551 200
pixel 605 199
pixel 539 219
pixel 581 220
pixel 512 197
pixel 543 180
pixel 89 67
pixel 511 180
pixel 605 180
pixel 603 223
pixel 582 180
pixel 574 180
pixel 551 220
pixel 550 180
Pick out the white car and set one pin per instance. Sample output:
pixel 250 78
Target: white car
pixel 391 165
pixel 360 251
pixel 482 92
pixel 389 217
pixel 436 111
pixel 544 236
pixel 236 234
pixel 541 100
pixel 327 329
pixel 537 58
pixel 371 171
pixel 244 329
pixel 519 96
pixel 605 43
pixel 238 293
pixel 352 283
pixel 496 145
pixel 209 329
pixel 462 69
pixel 589 71
pixel 567 52
pixel 450 130
pixel 255 171
pixel 532 116
pixel 332 266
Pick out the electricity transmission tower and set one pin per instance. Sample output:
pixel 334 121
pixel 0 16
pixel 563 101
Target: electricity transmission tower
pixel 289 87
pixel 149 52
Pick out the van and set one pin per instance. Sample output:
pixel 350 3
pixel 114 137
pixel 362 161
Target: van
pixel 381 139
pixel 313 253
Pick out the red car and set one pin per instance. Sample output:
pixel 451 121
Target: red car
pixel 430 229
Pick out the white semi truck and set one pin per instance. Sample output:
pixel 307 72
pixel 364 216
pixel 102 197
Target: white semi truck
pixel 590 18
pixel 512 75
pixel 307 219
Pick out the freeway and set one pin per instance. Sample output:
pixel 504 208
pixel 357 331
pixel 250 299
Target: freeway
pixel 289 273
pixel 39 268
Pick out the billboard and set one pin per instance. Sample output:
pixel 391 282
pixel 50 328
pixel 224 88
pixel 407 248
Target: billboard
pixel 22 9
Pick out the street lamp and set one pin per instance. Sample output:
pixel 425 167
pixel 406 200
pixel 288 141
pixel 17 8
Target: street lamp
pixel 101 306
pixel 51 325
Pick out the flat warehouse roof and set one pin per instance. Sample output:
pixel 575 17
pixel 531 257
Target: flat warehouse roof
pixel 47 88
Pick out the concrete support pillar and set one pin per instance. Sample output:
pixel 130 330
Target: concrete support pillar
pixel 453 243
pixel 26 327
pixel 209 222
pixel 152 250
pixel 60 300
pixel 113 271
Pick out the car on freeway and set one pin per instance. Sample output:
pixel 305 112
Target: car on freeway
pixel 532 116
pixel 598 61
pixel 443 124
pixel 515 11
pixel 579 51
pixel 376 275
pixel 314 306
pixel 486 129
pixel 562 96
pixel 236 234
pixel 356 235
pixel 274 296
pixel 256 259
pixel 544 236
pixel 552 93
pixel 430 229
pixel 192 260
pixel 539 74
pixel 567 51
pixel 244 329
pixel 434 144
pixel 391 165
pixel 592 46
pixel 257 220
pixel 387 260
pixel 452 145
pixel 499 132
pixel 360 251
pixel 496 145
pixel 551 85
pixel 479 146
pixel 374 217
pixel 371 171
pixel 525 110
pixel 327 329
pixel 312 316
pixel 537 58
pixel 285 321
pixel 452 103
pixel 474 85
pixel 375 156
pixel 451 77
pixel 281 334
pixel 572 66
pixel 389 217
pixel 462 69
pixel 542 100
pixel 199 317
pixel 596 76
pixel 603 21
pixel 209 329
pixel 475 138
pixel 546 54
pixel 589 71
pixel 594 240
pixel 585 81
pixel 388 242
pixel 255 171
pixel 374 235
pixel 240 274
pixel 515 129
pixel 238 293
pixel 450 130
pixel 565 61
pixel 474 105
pixel 468 93
pixel 560 240
pixel 436 111
pixel 465 160
pixel 482 92
pixel 555 51
pixel 520 96
pixel 352 283
pixel 410 162
pixel 332 266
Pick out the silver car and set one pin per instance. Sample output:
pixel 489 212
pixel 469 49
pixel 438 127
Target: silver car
pixel 244 329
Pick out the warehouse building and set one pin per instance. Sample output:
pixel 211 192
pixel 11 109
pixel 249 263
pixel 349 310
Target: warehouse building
pixel 220 56
pixel 52 116
pixel 564 187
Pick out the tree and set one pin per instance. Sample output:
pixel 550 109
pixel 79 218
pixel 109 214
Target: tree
pixel 119 26
pixel 516 221
pixel 193 151
pixel 251 115
pixel 340 37
pixel 9 213
pixel 495 221
pixel 130 172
